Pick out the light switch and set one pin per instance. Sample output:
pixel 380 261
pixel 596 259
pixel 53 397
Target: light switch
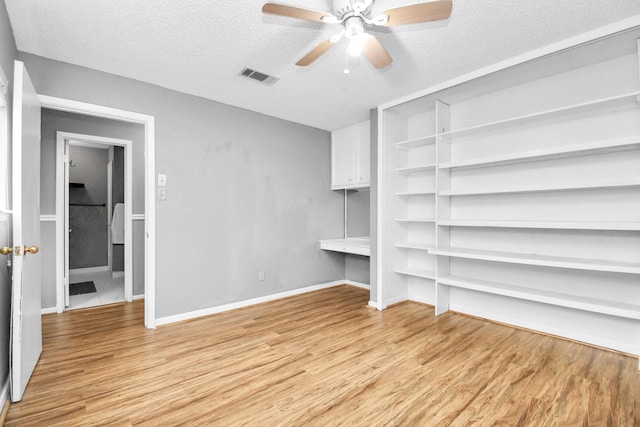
pixel 162 180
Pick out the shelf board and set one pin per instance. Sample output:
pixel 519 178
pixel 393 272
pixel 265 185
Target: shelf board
pixel 417 272
pixel 625 100
pixel 619 309
pixel 415 220
pixel 541 189
pixel 411 245
pixel 413 169
pixel 416 193
pixel 585 149
pixel 416 142
pixel 560 225
pixel 541 260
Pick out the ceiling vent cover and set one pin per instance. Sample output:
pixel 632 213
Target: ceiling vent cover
pixel 258 76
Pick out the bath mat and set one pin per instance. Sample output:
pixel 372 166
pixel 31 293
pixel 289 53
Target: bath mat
pixel 81 288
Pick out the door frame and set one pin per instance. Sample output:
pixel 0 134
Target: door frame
pixel 62 104
pixel 63 141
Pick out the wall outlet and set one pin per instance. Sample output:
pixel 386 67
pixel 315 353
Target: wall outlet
pixel 162 193
pixel 162 180
pixel 261 276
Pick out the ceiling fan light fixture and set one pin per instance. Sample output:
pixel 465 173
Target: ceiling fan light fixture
pixel 356 44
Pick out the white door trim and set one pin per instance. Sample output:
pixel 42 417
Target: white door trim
pixel 63 140
pixel 150 171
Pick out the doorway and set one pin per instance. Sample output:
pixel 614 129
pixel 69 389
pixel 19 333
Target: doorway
pixel 96 192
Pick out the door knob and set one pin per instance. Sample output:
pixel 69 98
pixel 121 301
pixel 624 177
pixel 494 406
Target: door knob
pixel 31 250
pixel 6 250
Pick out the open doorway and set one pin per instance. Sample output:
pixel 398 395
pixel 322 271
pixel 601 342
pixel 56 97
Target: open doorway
pixel 95 191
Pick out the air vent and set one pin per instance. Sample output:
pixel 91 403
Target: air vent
pixel 258 76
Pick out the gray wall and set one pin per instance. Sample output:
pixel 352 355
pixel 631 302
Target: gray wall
pixel 88 239
pixel 53 121
pixel 246 192
pixel 7 54
pixel 357 267
pixel 373 283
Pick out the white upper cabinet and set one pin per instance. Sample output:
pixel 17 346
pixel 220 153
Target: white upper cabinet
pixel 350 157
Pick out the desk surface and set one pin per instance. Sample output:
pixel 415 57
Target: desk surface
pixel 350 245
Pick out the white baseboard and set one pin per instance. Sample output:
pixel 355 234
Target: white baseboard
pixel 49 310
pixel 535 327
pixel 89 270
pixel 232 306
pixel 356 284
pixel 373 304
pixel 117 274
pixel 4 393
pixel 141 296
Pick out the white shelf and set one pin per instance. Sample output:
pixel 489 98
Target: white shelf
pixel 417 272
pixel 416 142
pixel 352 245
pixel 619 309
pixel 416 193
pixel 541 260
pixel 625 100
pixel 561 225
pixel 414 169
pixel 605 146
pixel 411 245
pixel 415 220
pixel 540 189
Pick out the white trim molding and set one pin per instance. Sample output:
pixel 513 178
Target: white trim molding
pixel 137 217
pixel 148 122
pixel 48 218
pixel 253 301
pixel 137 297
pixel 50 310
pixel 357 284
pixel 89 270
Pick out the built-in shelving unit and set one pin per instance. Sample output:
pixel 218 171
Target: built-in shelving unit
pixel 519 202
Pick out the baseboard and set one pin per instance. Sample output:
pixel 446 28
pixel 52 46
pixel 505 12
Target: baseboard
pixel 49 310
pixel 117 274
pixel 357 284
pixel 534 327
pixel 141 296
pixel 373 304
pixel 4 400
pixel 240 304
pixel 89 270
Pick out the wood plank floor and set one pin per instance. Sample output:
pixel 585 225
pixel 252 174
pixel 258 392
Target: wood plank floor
pixel 319 359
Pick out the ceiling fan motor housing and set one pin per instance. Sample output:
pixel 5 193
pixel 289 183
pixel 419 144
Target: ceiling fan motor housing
pixel 344 7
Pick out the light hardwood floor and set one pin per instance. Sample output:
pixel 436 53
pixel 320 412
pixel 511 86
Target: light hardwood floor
pixel 319 359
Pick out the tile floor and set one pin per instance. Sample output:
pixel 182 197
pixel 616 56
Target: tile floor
pixel 109 290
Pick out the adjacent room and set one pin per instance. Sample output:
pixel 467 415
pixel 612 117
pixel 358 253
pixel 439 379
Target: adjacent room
pixel 325 212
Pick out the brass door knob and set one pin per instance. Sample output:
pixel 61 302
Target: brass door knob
pixel 31 250
pixel 6 250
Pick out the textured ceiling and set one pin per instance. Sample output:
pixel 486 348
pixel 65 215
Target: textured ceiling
pixel 199 47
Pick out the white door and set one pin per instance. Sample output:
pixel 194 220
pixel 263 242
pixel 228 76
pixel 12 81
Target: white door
pixel 26 327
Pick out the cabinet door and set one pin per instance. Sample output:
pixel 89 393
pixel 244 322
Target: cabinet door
pixel 343 157
pixel 364 146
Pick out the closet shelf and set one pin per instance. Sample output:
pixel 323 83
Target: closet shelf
pixel 417 272
pixel 560 225
pixel 416 142
pixel 416 193
pixel 412 245
pixel 627 100
pixel 415 220
pixel 541 260
pixel 585 149
pixel 619 309
pixel 540 189
pixel 413 169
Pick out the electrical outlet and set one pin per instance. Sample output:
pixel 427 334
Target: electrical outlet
pixel 261 276
pixel 162 180
pixel 162 193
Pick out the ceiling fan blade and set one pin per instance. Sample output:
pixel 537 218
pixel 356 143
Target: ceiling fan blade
pixel 315 53
pixel 376 53
pixel 294 12
pixel 421 12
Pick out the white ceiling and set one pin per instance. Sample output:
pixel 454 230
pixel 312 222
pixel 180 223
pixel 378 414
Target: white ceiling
pixel 199 47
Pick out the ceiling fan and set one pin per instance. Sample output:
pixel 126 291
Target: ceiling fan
pixel 355 16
